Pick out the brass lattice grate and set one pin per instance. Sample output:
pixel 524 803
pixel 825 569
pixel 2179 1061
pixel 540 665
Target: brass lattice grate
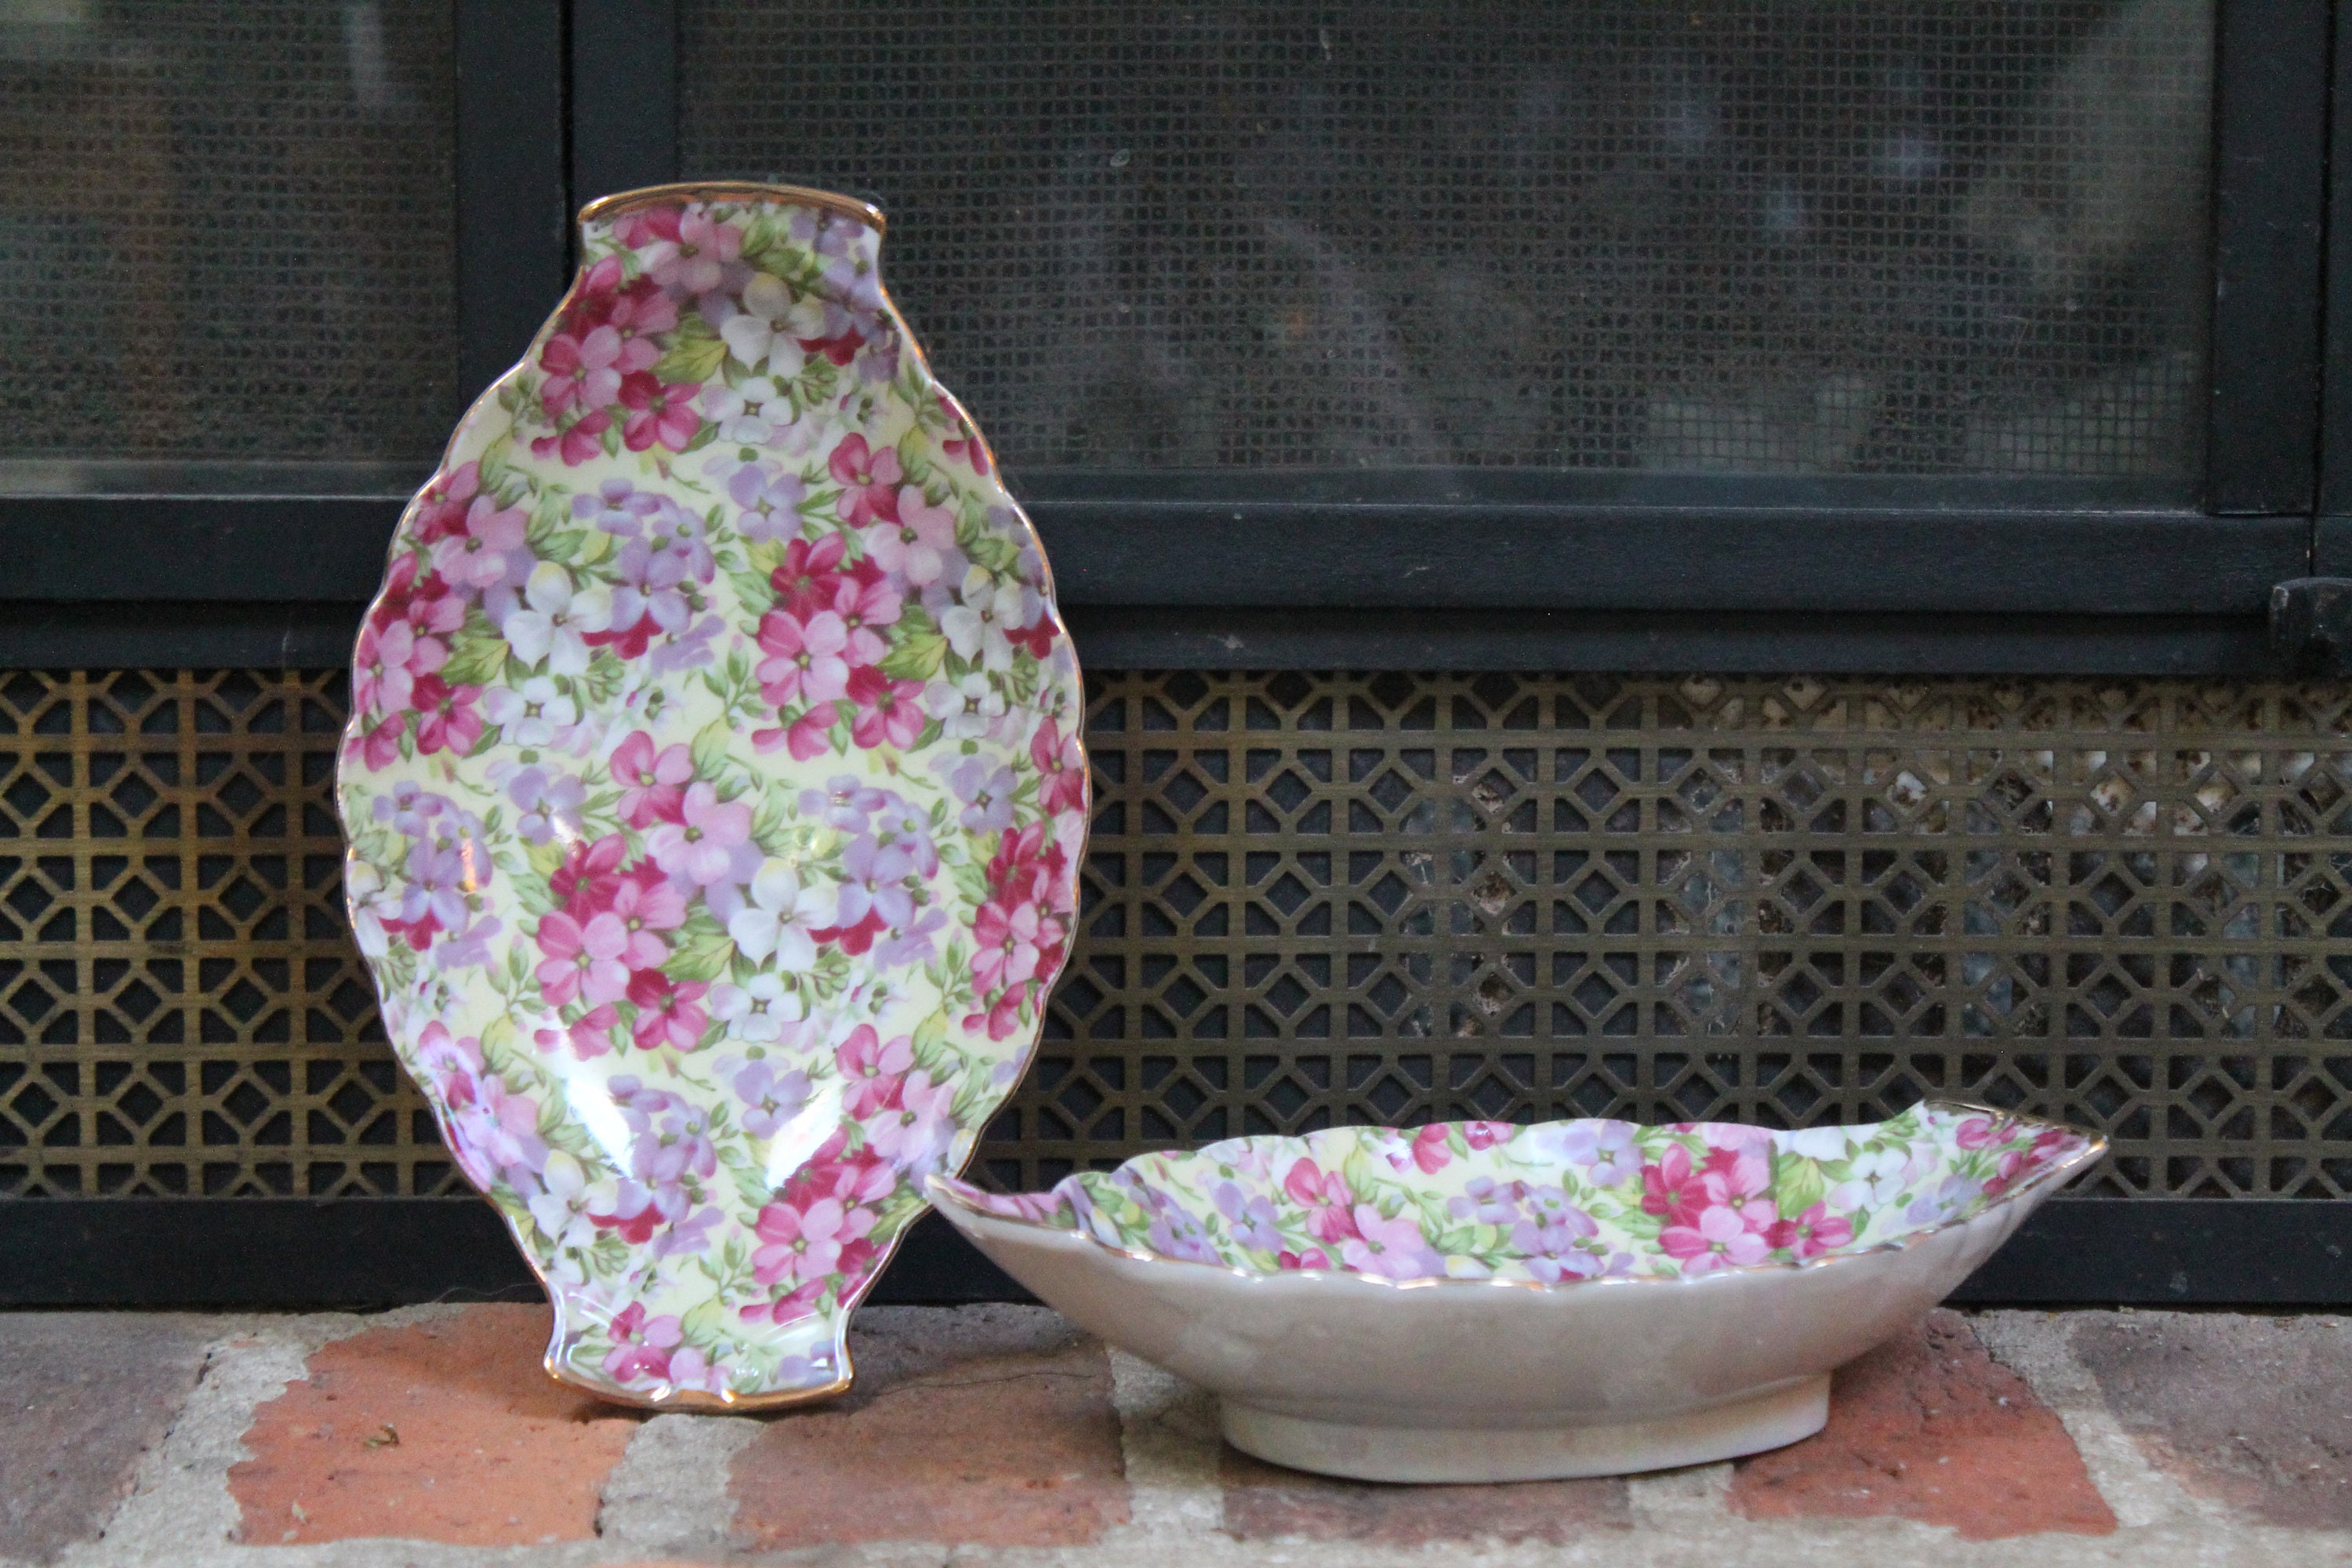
pixel 1331 898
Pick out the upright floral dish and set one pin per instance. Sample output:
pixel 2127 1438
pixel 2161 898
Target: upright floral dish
pixel 1480 1301
pixel 714 793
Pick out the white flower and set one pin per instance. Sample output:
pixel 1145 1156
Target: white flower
pixel 779 918
pixel 756 1010
pixel 975 628
pixel 763 332
pixel 560 616
pixel 560 1207
pixel 1877 1181
pixel 1816 1143
pixel 747 415
pixel 967 708
pixel 536 715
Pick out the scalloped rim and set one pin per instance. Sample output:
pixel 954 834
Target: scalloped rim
pixel 945 1198
pixel 689 1401
pixel 605 208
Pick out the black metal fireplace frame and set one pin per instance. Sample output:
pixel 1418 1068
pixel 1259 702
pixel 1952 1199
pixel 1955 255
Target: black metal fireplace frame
pixel 562 99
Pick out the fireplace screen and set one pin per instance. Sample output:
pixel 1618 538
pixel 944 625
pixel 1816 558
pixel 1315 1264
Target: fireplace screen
pixel 1903 237
pixel 1313 900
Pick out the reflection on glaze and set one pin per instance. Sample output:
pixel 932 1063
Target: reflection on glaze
pixel 714 793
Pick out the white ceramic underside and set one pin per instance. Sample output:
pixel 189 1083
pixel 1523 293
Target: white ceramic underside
pixel 1389 1453
pixel 1492 1380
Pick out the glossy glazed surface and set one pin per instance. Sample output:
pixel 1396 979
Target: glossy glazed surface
pixel 714 793
pixel 1584 1291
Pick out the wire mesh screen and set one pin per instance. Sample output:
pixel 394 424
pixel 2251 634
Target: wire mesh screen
pixel 1751 235
pixel 1344 897
pixel 227 230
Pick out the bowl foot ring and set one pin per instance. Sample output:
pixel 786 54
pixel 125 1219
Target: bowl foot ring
pixel 1374 1453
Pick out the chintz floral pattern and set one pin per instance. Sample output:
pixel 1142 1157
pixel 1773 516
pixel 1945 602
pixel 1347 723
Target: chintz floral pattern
pixel 714 793
pixel 1557 1202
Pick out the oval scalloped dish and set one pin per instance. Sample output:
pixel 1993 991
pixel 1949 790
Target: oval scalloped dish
pixel 1560 1201
pixel 1269 1269
pixel 714 793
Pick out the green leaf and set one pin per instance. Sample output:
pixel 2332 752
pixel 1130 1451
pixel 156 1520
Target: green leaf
pixel 1797 1184
pixel 709 749
pixel 478 655
pixel 915 657
pixel 972 882
pixel 691 358
pixel 703 949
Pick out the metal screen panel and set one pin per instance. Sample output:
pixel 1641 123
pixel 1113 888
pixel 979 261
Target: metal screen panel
pixel 1320 898
pixel 227 231
pixel 1882 235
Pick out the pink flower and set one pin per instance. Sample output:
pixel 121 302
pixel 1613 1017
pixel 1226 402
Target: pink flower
pixel 805 662
pixel 965 441
pixel 914 1135
pixel 889 712
pixel 873 1066
pixel 590 876
pixel 1671 1189
pixel 805 1245
pixel 651 786
pixel 640 1346
pixel 1741 1181
pixel 583 960
pixel 1005 945
pixel 441 508
pixel 1429 1149
pixel 582 372
pixel 810 736
pixel 865 600
pixel 701 846
pixel 452 720
pixel 869 481
pixel 660 414
pixel 483 552
pixel 644 904
pixel 382 680
pixel 915 547
pixel 695 259
pixel 1325 1196
pixel 810 575
pixel 1813 1233
pixel 1061 764
pixel 1720 1238
pixel 1976 1132
pixel 639 313
pixel 381 745
pixel 1393 1248
pixel 577 442
pixel 668 1013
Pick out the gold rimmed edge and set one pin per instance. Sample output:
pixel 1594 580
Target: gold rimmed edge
pixel 622 202
pixel 694 1402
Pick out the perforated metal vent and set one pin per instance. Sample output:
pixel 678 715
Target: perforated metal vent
pixel 226 230
pixel 1749 236
pixel 1320 898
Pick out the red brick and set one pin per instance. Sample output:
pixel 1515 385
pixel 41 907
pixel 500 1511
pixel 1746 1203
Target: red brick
pixel 1931 1427
pixel 988 1426
pixel 1265 1502
pixel 2250 1412
pixel 444 1431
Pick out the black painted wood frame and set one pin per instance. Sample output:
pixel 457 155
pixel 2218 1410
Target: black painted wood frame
pixel 559 101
